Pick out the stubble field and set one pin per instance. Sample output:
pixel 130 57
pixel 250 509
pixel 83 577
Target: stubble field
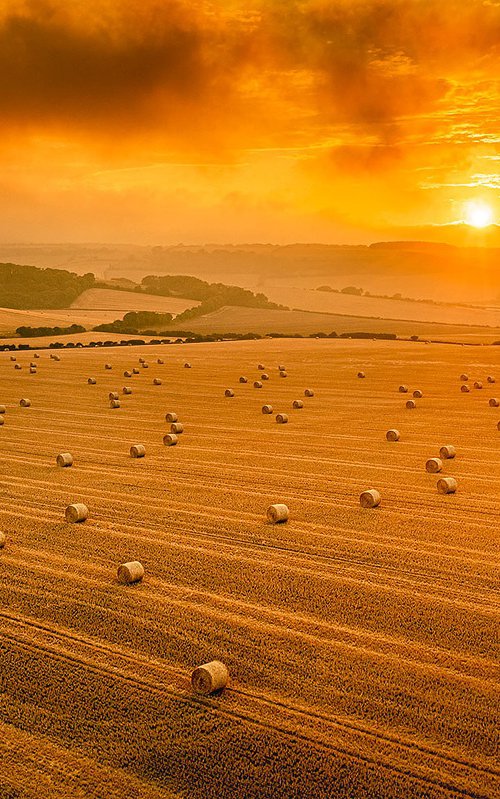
pixel 361 643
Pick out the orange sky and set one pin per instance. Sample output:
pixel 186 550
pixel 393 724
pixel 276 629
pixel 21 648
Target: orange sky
pixel 159 121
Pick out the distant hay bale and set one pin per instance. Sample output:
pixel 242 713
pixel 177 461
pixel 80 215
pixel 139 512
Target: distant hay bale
pixel 57 358
pixel 261 367
pixel 142 360
pixel 297 404
pixel 361 375
pixel 446 485
pixel 171 416
pixel 403 389
pixel 107 366
pixel 264 376
pixel 126 390
pixel 114 403
pixel 283 374
pixel 2 421
pixel 137 451
pixel 209 678
pixel 257 384
pixel 491 379
pixel 25 403
pixel 243 379
pixel 187 365
pixel 145 365
pixel 160 361
pixel 370 498
pixel 498 425
pixel 281 418
pixel 113 395
pixel 91 381
pixel 3 409
pixel 36 355
pixel 32 370
pixel 131 572
pixel 127 373
pixel 170 440
pixel 418 394
pixel 447 452
pixel 478 384
pixel 136 371
pixel 278 513
pixel 77 512
pixel 494 402
pixel 17 366
pixel 156 381
pixel 281 368
pixel 465 389
pixel 433 465
pixel 308 392
pixel 13 358
pixel 64 459
pixel 33 365
pixel 267 409
pixel 411 404
pixel 464 378
pixel 229 392
pixel 177 428
pixel 393 435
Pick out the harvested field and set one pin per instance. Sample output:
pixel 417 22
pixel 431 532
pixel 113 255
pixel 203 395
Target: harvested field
pixel 360 642
pixel 113 300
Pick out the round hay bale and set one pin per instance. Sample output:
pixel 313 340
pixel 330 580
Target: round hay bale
pixel 171 416
pixel 433 465
pixel 403 389
pixel 113 395
pixel 491 379
pixel 3 409
pixel 2 421
pixel 283 374
pixel 114 403
pixel 145 365
pixel 91 381
pixel 229 392
pixel 3 539
pixel 267 409
pixel 25 403
pixel 170 440
pixel 498 425
pixel 156 381
pixel 361 375
pixel 464 378
pixel 494 402
pixel 57 358
pixel 17 366
pixel 177 428
pixel 64 459
pixel 137 451
pixel 264 376
pixel 446 485
pixel 257 384
pixel 126 390
pixel 32 370
pixel 261 367
pixel 36 355
pixel 297 404
pixel 107 366
pixel 370 498
pixel 13 358
pixel 478 384
pixel 411 404
pixel 465 389
pixel 393 435
pixel 447 452
pixel 418 394
pixel 187 365
pixel 77 512
pixel 33 365
pixel 209 678
pixel 142 360
pixel 278 513
pixel 131 572
pixel 308 392
pixel 281 368
pixel 136 371
pixel 281 418
pixel 243 379
pixel 160 361
pixel 127 373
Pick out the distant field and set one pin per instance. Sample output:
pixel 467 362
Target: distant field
pixel 361 644
pixel 258 320
pixel 110 299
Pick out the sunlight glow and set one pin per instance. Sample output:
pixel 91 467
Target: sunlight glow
pixel 478 214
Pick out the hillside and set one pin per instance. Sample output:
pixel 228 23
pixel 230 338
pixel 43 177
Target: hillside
pixel 29 287
pixel 113 300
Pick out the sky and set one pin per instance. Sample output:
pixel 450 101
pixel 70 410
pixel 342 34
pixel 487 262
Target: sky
pixel 157 122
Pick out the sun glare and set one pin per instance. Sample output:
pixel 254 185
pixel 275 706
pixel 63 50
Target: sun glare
pixel 478 214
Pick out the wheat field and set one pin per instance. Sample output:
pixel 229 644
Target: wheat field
pixel 361 643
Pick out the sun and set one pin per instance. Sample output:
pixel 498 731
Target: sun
pixel 478 213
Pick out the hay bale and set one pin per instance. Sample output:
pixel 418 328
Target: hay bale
pixel 281 368
pixel 282 418
pixel 114 403
pixel 171 416
pixel 465 389
pixel 446 485
pixel 64 459
pixel 418 394
pixel 3 409
pixel 361 375
pixel 2 421
pixel 36 355
pixel 264 376
pixel 393 435
pixel 411 404
pixel 113 395
pixel 126 390
pixel 267 409
pixel 261 367
pixel 370 498
pixel 136 371
pixel 32 370
pixel 447 452
pixel 127 373
pixel 57 358
pixel 160 361
pixel 403 389
pixel 278 513
pixel 494 402
pixel 17 366
pixel 491 379
pixel 13 358
pixel 433 465
pixel 3 539
pixel 142 360
pixel 77 512
pixel 91 381
pixel 131 572
pixel 297 404
pixel 498 425
pixel 156 381
pixel 145 365
pixel 464 378
pixel 25 403
pixel 243 379
pixel 478 384
pixel 187 365
pixel 107 366
pixel 229 392
pixel 177 427
pixel 209 678
pixel 257 384
pixel 33 365
pixel 308 392
pixel 283 374
pixel 170 440
pixel 137 451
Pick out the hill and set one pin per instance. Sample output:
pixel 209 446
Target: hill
pixel 30 287
pixel 113 300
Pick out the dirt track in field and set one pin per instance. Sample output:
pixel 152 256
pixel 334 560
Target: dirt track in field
pixel 361 643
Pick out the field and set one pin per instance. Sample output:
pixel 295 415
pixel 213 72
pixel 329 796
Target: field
pixel 111 299
pixel 360 643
